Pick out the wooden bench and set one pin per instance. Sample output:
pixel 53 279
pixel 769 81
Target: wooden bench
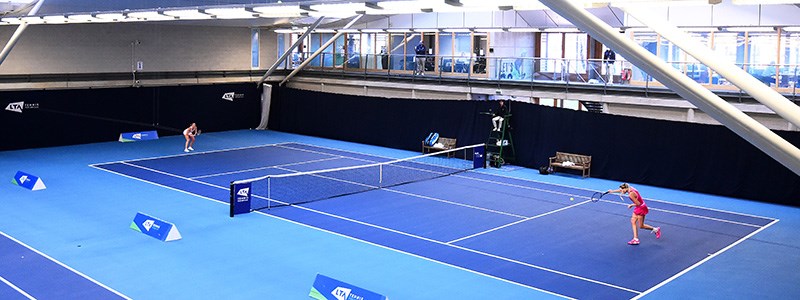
pixel 580 162
pixel 447 144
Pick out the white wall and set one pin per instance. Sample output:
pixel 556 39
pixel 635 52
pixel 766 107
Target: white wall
pixel 101 48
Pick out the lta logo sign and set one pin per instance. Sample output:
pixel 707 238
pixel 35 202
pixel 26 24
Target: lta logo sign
pixel 15 107
pixel 230 96
pixel 19 106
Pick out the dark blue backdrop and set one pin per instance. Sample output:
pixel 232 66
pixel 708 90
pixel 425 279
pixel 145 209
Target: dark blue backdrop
pixel 67 117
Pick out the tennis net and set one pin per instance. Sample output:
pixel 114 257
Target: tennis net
pixel 303 187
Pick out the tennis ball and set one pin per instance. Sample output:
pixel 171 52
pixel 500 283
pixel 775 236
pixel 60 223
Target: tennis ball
pixel 571 199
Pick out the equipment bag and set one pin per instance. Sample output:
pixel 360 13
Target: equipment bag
pixel 431 139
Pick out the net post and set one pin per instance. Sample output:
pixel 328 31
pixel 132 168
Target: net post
pixel 380 175
pixel 269 193
pixel 232 199
pixel 479 157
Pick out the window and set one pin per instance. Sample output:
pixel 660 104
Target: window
pixel 254 48
pixel 551 51
pixel 446 52
pixel 575 51
pixel 762 48
pixel 463 45
pixel 353 51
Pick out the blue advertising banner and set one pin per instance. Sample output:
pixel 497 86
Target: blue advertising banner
pixel 326 288
pixel 479 157
pixel 154 227
pixel 29 181
pixel 240 198
pixel 138 136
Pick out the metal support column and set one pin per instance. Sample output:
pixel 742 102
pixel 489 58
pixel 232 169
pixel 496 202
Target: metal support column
pixel 739 77
pixel 722 111
pixel 321 48
pixel 15 37
pixel 289 51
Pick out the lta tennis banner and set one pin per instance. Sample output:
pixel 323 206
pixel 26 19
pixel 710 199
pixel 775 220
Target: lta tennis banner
pixel 156 228
pixel 240 198
pixel 29 181
pixel 138 136
pixel 326 288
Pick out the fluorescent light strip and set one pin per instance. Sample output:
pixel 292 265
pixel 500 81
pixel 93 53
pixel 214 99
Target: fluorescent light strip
pixel 700 29
pixel 522 29
pixel 12 20
pixel 490 30
pixel 373 30
pixel 282 11
pixel 756 2
pixel 397 30
pixel 84 18
pixel 55 19
pixel 111 17
pixel 32 20
pixel 343 10
pixel 750 29
pixel 457 30
pixel 188 14
pixel 151 16
pixel 791 29
pixel 231 13
pixel 566 30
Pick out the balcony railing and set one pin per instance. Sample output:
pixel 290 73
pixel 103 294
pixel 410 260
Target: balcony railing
pixel 781 77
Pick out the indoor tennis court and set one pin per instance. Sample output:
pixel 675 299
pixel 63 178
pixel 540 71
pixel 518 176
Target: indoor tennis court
pixel 505 233
pixel 399 149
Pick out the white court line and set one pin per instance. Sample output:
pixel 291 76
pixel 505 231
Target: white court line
pixel 169 187
pixel 707 218
pixel 170 174
pixel 702 261
pixel 269 167
pixel 615 202
pixel 188 154
pixel 336 149
pixel 517 222
pixel 456 203
pixel 463 248
pixel 16 288
pixel 648 199
pixel 413 255
pixel 65 266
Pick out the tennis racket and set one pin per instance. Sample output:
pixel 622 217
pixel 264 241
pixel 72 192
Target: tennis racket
pixel 198 132
pixel 597 195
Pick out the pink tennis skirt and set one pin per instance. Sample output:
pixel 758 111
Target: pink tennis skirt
pixel 641 210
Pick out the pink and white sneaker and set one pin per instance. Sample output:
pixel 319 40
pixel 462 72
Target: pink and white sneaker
pixel 633 242
pixel 657 231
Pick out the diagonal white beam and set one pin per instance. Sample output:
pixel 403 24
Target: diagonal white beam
pixel 289 51
pixel 739 77
pixel 321 48
pixel 15 37
pixel 722 111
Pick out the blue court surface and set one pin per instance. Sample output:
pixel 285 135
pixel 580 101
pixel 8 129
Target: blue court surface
pixel 506 233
